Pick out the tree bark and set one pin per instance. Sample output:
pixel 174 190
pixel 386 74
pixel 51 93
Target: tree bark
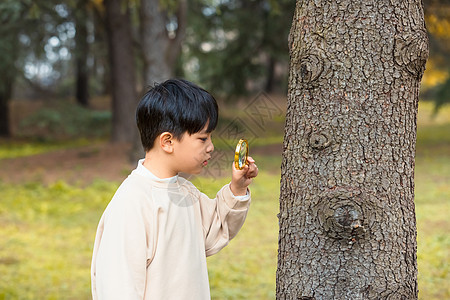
pixel 347 219
pixel 123 77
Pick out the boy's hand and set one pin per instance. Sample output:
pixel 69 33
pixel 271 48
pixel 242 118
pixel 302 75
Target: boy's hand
pixel 241 179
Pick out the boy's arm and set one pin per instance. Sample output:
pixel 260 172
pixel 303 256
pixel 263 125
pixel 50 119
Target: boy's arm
pixel 224 216
pixel 120 253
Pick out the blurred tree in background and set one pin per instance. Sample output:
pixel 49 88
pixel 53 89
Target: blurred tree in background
pixel 122 67
pixel 55 49
pixel 23 34
pixel 9 14
pixel 81 52
pixel 39 44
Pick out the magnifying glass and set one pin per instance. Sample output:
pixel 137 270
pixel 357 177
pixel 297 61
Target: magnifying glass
pixel 241 154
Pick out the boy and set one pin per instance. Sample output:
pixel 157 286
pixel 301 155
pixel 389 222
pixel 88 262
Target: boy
pixel 154 236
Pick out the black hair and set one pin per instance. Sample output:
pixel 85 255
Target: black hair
pixel 176 106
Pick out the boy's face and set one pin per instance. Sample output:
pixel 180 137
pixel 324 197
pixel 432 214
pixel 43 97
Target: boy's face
pixel 192 152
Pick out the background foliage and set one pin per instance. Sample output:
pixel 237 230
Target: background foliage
pixel 436 85
pixel 232 47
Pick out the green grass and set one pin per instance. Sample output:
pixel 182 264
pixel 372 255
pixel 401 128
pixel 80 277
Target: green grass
pixel 245 269
pixel 432 198
pixel 15 149
pixel 47 235
pixel 47 232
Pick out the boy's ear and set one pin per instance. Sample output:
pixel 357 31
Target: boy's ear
pixel 166 142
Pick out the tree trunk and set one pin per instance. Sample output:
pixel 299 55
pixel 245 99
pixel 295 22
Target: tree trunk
pixel 347 219
pixel 123 77
pixel 8 75
pixel 81 54
pixel 5 94
pixel 159 50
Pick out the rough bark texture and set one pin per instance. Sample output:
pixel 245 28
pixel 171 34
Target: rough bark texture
pixel 347 219
pixel 124 96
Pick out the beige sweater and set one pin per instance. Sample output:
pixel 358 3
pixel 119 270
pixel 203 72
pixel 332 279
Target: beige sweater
pixel 154 236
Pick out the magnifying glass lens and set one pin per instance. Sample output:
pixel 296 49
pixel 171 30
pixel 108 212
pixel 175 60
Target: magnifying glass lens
pixel 241 154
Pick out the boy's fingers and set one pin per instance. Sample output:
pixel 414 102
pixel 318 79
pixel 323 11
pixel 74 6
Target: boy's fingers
pixel 252 171
pixel 241 171
pixel 249 170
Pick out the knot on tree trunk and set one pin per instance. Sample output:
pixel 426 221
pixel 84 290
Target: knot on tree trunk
pixel 343 214
pixel 311 67
pixel 319 140
pixel 411 53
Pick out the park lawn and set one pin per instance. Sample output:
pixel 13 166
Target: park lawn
pixel 47 232
pixel 18 149
pixel 432 199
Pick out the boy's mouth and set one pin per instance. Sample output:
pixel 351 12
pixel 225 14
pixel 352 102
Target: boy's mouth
pixel 205 162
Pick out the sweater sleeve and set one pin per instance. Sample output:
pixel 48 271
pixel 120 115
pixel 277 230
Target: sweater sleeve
pixel 222 218
pixel 120 252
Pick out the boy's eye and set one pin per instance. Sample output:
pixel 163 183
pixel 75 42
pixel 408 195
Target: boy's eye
pixel 204 139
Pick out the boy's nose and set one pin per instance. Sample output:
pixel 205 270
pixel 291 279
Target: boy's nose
pixel 210 148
